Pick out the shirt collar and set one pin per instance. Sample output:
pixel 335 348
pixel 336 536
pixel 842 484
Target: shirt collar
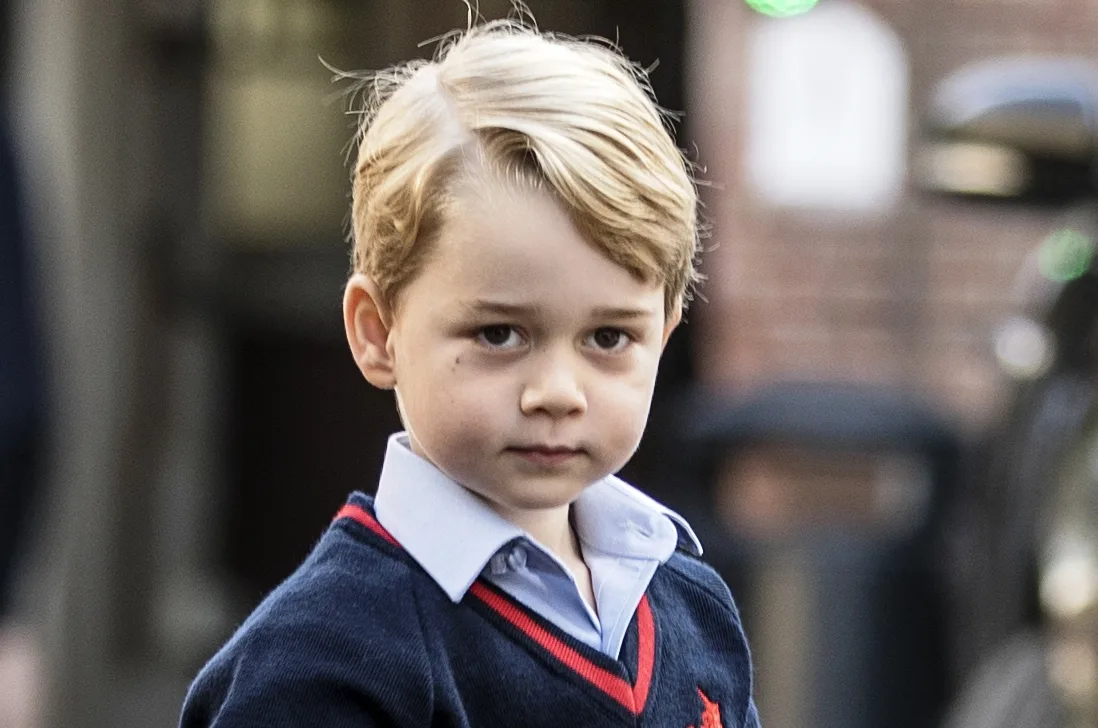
pixel 616 518
pixel 452 534
pixel 443 526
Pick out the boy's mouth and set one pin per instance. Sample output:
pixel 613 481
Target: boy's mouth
pixel 546 455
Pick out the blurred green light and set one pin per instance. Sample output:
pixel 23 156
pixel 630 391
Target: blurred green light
pixel 781 8
pixel 1065 255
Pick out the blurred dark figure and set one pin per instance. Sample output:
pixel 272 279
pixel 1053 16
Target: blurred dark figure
pixel 21 387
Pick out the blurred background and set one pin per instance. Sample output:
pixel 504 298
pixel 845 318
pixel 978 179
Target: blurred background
pixel 880 417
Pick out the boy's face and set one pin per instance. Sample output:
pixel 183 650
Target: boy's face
pixel 524 359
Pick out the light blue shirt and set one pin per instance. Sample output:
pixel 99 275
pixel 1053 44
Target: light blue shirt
pixel 624 535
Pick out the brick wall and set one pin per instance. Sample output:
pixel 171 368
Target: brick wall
pixel 910 299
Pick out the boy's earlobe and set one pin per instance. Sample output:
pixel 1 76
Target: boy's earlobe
pixel 367 321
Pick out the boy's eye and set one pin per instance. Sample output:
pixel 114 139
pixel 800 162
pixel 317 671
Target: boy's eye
pixel 499 336
pixel 609 339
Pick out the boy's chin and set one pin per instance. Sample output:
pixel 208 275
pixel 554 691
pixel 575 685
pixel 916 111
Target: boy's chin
pixel 542 494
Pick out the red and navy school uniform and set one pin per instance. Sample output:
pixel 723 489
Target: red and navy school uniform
pixel 361 636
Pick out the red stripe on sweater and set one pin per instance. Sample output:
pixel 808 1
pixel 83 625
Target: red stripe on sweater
pixel 646 653
pixel 604 680
pixel 632 698
pixel 362 516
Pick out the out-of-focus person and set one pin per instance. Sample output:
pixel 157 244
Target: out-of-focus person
pixel 21 424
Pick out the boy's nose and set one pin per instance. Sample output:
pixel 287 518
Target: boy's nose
pixel 555 391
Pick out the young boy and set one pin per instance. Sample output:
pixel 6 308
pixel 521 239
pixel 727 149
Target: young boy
pixel 524 242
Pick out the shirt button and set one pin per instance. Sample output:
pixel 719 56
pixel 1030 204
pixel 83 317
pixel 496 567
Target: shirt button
pixel 517 558
pixel 498 564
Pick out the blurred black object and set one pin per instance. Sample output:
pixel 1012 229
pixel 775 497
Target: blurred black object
pixel 21 387
pixel 1020 130
pixel 877 648
pixel 1011 689
pixel 1025 131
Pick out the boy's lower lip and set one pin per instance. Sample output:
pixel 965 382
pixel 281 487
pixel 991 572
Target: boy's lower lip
pixel 545 458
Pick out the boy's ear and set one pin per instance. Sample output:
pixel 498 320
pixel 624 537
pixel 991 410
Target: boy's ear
pixel 368 321
pixel 672 323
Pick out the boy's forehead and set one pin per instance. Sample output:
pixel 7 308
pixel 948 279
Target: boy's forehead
pixel 525 248
pixel 490 262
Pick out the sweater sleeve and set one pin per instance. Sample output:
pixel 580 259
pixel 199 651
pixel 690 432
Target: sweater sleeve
pixel 336 656
pixel 710 582
pixel 719 588
pixel 283 699
pixel 752 720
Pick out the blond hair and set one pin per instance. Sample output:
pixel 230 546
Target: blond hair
pixel 572 117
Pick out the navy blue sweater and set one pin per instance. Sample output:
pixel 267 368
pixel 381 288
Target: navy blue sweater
pixel 361 636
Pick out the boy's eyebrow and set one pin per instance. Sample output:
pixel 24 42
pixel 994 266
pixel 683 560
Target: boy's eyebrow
pixel 613 312
pixel 503 308
pixel 482 305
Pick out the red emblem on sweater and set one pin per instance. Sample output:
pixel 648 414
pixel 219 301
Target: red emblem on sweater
pixel 711 713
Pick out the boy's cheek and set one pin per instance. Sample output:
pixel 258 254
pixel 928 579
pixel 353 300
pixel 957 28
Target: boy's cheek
pixel 640 379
